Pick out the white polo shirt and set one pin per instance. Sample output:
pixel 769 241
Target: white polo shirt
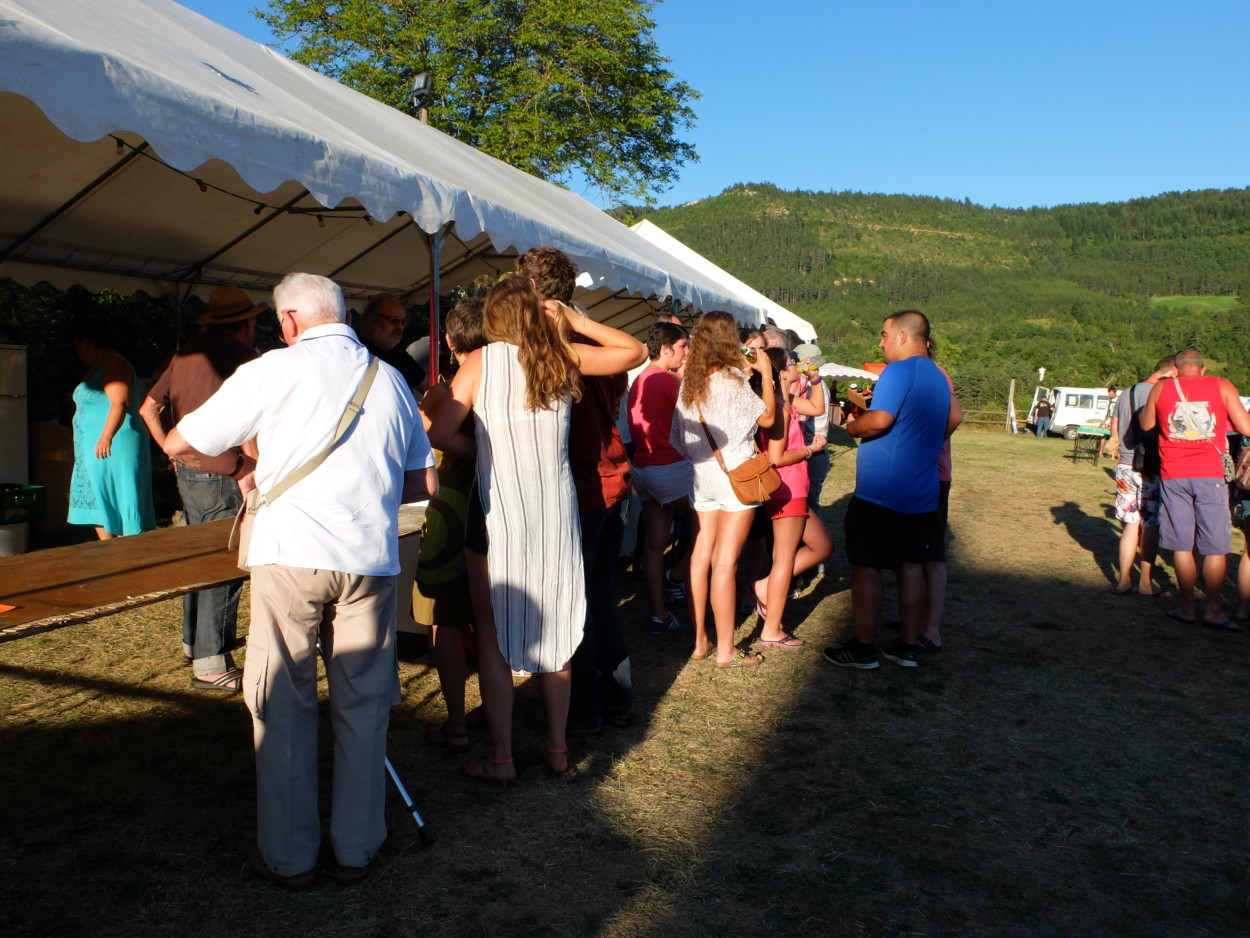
pixel 344 516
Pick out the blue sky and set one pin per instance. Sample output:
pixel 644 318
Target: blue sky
pixel 1001 102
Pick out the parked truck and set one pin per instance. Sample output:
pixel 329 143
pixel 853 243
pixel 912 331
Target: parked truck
pixel 1071 409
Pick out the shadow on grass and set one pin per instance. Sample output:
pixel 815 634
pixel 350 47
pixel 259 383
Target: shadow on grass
pixel 1072 764
pixel 1099 536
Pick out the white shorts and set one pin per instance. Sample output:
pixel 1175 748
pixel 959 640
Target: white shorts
pixel 664 484
pixel 714 493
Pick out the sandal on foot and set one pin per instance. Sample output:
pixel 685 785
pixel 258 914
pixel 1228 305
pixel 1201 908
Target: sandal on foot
pixel 926 645
pixel 1228 625
pixel 451 741
pixel 786 641
pixel 547 752
pixel 711 650
pixel 1175 614
pixel 742 659
pixel 479 769
pixel 231 682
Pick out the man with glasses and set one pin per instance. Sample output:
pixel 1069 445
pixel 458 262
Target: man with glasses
pixel 381 328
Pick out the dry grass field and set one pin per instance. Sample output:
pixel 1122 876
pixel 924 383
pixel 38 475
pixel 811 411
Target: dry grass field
pixel 1074 763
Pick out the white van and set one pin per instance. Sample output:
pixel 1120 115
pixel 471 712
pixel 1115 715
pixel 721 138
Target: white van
pixel 1072 408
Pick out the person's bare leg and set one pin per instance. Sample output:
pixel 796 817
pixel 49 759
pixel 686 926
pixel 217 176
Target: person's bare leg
pixel 657 520
pixel 104 535
pixel 1213 569
pixel 1129 539
pixel 816 545
pixel 681 569
pixel 749 565
pixel 1243 579
pixel 775 588
pixel 557 687
pixel 1186 576
pixel 494 677
pixel 1146 559
pixel 698 581
pixel 453 671
pixel 935 596
pixel 867 596
pixel 911 601
pixel 731 534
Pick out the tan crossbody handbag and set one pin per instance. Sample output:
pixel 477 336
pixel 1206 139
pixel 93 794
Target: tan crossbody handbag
pixel 752 481
pixel 241 532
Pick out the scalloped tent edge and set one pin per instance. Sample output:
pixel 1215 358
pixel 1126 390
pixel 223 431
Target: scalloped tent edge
pixel 150 148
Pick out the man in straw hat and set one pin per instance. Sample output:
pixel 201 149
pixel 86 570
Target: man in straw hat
pixel 195 372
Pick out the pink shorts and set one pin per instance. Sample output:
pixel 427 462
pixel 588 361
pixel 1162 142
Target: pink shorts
pixel 776 508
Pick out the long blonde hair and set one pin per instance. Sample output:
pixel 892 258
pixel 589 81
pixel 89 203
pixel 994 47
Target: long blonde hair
pixel 514 314
pixel 713 346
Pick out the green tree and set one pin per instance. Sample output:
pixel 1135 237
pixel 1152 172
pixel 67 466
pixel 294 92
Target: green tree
pixel 558 88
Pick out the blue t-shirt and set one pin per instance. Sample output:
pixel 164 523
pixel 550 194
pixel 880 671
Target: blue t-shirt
pixel 898 469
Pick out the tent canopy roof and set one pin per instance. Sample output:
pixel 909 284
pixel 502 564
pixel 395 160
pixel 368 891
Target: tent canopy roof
pixel 148 148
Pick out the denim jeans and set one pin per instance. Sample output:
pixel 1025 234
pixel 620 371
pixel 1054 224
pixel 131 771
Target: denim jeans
pixel 209 617
pixel 817 469
pixel 1043 427
pixel 602 680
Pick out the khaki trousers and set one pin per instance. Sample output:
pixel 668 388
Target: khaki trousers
pixel 354 616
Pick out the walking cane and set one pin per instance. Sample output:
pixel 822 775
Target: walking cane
pixel 427 835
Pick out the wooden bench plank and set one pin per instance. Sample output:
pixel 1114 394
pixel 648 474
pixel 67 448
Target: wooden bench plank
pixel 64 585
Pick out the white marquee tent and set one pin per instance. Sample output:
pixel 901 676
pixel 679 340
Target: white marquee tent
pixel 147 147
pixel 727 281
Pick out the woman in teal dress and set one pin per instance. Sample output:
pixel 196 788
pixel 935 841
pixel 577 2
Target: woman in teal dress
pixel 111 488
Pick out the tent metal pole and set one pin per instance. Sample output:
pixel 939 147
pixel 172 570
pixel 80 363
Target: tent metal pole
pixel 435 243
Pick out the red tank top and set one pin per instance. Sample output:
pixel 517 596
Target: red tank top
pixel 1192 436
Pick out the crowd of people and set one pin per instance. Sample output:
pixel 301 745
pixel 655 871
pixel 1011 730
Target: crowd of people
pixel 530 449
pixel 1177 431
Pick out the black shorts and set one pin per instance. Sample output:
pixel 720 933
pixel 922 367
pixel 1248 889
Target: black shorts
pixel 937 537
pixel 881 537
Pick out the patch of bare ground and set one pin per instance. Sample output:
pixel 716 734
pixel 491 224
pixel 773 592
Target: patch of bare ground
pixel 1072 764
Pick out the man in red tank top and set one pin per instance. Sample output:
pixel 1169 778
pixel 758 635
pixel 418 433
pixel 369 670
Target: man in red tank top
pixel 1192 412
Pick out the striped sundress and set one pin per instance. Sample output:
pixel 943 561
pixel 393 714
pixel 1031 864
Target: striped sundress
pixel 534 558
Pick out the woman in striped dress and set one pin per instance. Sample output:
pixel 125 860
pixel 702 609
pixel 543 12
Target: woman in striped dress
pixel 520 387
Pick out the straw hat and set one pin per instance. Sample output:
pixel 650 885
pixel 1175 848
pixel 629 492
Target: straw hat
pixel 228 304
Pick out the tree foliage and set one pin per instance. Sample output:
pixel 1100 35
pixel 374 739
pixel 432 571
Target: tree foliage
pixel 557 88
pixel 1079 289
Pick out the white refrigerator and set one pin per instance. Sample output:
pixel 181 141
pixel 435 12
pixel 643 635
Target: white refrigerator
pixel 14 433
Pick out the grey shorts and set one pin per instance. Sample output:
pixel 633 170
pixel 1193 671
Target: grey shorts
pixel 1194 515
pixel 664 484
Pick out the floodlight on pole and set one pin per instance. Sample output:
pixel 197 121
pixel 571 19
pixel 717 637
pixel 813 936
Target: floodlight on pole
pixel 418 98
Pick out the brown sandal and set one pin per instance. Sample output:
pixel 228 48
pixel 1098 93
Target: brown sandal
pixel 567 772
pixel 479 769
pixel 452 742
pixel 742 659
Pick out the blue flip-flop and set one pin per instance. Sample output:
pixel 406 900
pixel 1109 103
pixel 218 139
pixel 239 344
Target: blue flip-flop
pixel 1176 614
pixel 1228 625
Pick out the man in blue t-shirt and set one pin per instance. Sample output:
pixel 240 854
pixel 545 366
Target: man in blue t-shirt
pixel 890 519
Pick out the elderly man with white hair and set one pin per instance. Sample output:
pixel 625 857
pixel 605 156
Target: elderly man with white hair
pixel 341 445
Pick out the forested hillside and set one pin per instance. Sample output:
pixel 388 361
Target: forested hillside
pixel 1076 288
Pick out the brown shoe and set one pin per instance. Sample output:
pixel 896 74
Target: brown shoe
pixel 296 883
pixel 343 875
